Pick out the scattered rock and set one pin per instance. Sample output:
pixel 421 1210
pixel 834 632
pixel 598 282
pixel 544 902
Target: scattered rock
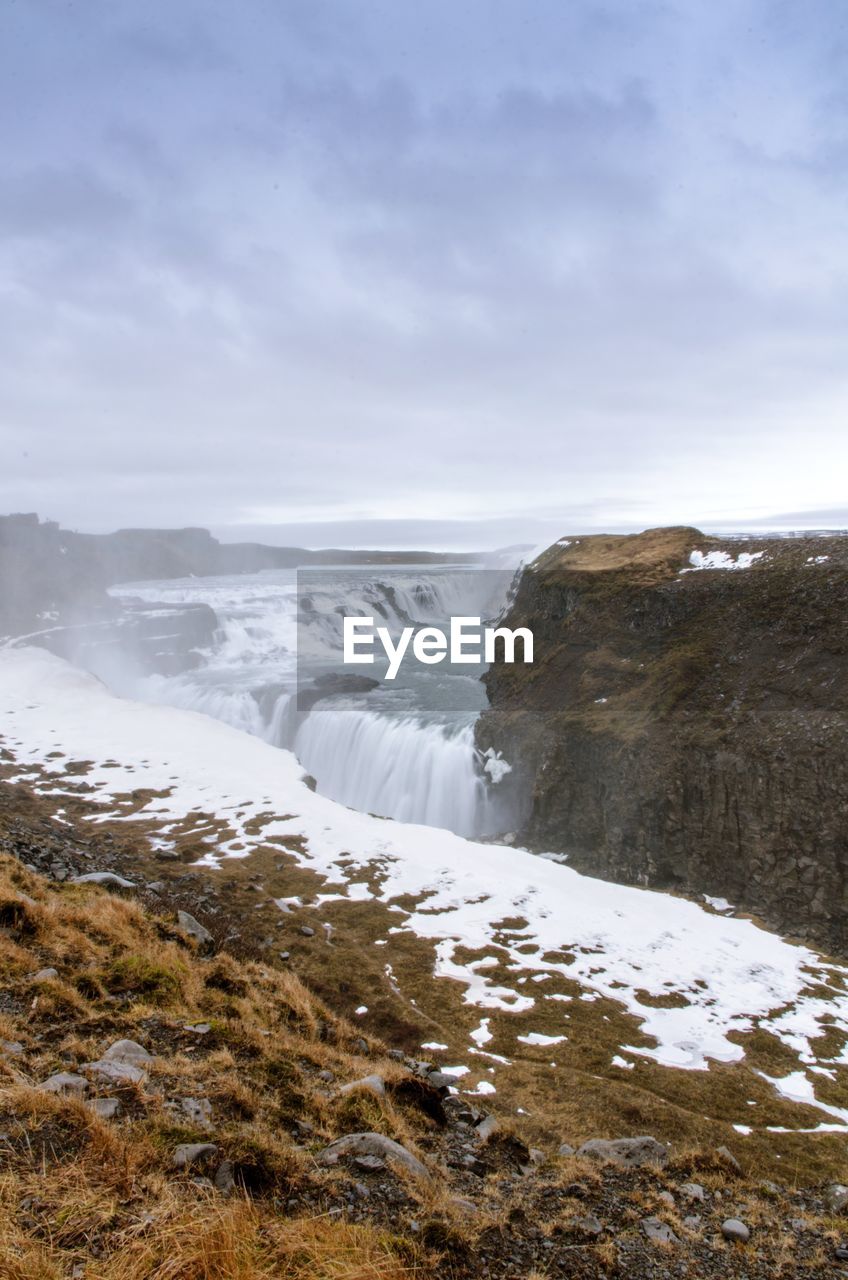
pixel 630 1153
pixel 565 1150
pixel 729 1158
pixel 734 1229
pixel 692 1222
pixel 658 1231
pixel 11 1047
pixel 372 1144
pixel 194 929
pixel 65 1082
pixel 667 1198
pixel 44 975
pixel 198 1110
pixel 370 1164
pixel 374 1084
pixel 108 879
pixel 442 1080
pixel 307 931
pixel 126 1051
pixel 225 1181
pixel 589 1225
pixel 836 1197
pixel 326 1075
pixel 105 1108
pixel 114 1072
pixel 692 1191
pixel 188 1153
pixel 487 1127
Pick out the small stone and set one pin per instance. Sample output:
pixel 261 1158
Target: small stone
pixel 44 975
pixel 798 1225
pixel 307 931
pixel 841 1253
pixel 369 1164
pixel 126 1051
pixel 65 1082
pixel 630 1153
pixel 658 1231
pixel 667 1198
pixel 692 1191
pixel 836 1197
pixel 105 1108
pixel 225 1181
pixel 284 955
pixel 194 929
pixel 487 1126
pixel 198 1110
pixel 589 1225
pixel 166 855
pixel 729 1157
pixel 11 1047
pixel 442 1080
pixel 565 1150
pixel 692 1222
pixel 108 879
pixel 372 1144
pixel 464 1205
pixel 734 1229
pixel 115 1072
pixel 188 1153
pixel 373 1084
pixel 198 1028
pixel 326 1075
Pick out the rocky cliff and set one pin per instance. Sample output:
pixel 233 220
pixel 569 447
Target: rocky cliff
pixel 684 723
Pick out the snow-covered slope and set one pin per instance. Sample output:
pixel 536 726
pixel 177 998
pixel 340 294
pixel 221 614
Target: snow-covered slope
pixel 624 943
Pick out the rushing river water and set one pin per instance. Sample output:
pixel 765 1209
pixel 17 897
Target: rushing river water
pixel 403 750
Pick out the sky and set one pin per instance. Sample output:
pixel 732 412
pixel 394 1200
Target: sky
pixel 447 274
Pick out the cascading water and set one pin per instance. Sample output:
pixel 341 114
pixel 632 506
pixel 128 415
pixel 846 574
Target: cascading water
pixel 405 751
pixel 395 768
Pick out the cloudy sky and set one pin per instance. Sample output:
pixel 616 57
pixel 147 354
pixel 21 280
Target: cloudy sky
pixel 431 272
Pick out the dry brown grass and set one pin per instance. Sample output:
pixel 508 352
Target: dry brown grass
pixel 77 1189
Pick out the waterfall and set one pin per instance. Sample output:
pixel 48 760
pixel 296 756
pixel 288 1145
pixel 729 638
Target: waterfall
pixel 412 757
pixel 396 768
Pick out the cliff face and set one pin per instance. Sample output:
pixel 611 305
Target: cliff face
pixel 687 730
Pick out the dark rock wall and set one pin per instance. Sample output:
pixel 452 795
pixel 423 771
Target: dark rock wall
pixel 688 731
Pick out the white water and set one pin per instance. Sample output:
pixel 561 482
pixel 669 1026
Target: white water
pixel 404 752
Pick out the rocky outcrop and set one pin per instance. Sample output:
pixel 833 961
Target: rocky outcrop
pixel 684 723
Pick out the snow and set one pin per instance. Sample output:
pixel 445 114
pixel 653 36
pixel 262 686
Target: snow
pixel 536 1037
pixel 482 1035
pixel 618 1061
pixel 434 1045
pixel 797 1087
pixel 620 941
pixel 722 560
pixel 718 904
